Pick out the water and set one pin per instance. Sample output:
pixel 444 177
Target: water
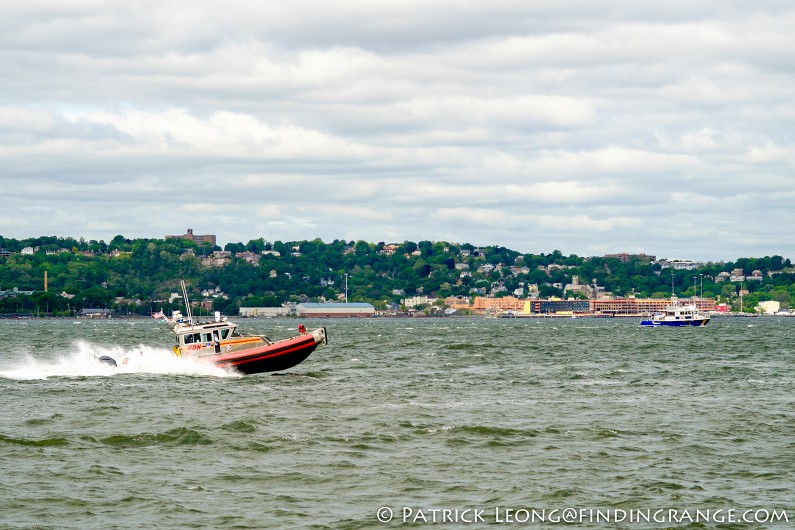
pixel 411 415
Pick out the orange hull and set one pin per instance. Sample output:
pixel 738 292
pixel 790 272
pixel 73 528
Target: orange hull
pixel 279 355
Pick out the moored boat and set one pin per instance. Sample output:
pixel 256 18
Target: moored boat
pixel 676 315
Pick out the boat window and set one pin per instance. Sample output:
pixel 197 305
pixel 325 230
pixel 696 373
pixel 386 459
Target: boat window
pixel 207 337
pixel 224 333
pixel 192 338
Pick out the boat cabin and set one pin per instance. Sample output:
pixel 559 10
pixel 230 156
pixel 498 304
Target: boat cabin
pixel 203 338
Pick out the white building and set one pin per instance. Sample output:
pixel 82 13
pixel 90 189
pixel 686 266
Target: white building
pixel 770 307
pixel 335 309
pixel 681 264
pixel 418 300
pixel 264 312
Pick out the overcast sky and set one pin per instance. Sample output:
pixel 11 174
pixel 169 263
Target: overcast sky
pixel 587 127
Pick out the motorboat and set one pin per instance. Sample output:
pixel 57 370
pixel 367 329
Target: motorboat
pixel 218 341
pixel 676 314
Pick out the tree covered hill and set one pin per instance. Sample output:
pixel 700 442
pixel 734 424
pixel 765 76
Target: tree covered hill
pixel 138 275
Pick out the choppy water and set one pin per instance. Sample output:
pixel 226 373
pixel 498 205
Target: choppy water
pixel 411 415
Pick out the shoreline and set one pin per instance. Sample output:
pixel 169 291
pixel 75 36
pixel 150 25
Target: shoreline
pixel 394 316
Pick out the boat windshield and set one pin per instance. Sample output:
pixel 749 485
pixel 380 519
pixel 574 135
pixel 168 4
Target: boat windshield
pixel 204 337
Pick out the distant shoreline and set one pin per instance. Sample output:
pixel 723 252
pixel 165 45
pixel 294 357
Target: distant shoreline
pixel 539 316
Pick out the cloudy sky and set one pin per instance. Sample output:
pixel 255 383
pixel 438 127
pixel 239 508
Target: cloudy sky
pixel 586 127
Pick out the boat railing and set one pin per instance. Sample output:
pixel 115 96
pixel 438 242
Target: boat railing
pixel 252 335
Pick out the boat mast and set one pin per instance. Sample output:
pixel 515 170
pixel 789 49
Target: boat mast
pixel 187 303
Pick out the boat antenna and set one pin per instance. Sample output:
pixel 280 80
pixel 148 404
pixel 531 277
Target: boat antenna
pixel 187 303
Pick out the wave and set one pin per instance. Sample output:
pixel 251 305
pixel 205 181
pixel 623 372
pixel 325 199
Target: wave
pixel 45 442
pixel 83 361
pixel 174 437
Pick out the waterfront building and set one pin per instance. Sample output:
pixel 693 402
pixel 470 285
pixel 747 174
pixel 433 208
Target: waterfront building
pixel 636 306
pixel 457 302
pixel 335 309
pixel 96 313
pixel 264 312
pixel 769 307
pixel 484 304
pixel 568 307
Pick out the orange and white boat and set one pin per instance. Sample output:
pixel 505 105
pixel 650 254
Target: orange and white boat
pixel 218 341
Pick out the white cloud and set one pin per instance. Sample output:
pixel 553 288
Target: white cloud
pixel 584 123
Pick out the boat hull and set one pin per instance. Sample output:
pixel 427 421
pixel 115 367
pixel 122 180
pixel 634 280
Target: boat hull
pixel 279 355
pixel 674 323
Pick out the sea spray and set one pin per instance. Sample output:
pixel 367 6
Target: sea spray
pixel 82 359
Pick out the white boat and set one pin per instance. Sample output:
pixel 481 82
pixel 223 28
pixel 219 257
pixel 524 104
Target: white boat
pixel 676 315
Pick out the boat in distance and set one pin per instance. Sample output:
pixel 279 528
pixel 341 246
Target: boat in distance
pixel 677 315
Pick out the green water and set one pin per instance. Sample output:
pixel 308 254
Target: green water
pixel 410 415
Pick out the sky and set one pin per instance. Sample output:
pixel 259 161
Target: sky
pixel 664 128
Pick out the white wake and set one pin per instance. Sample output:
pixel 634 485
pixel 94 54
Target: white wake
pixel 83 360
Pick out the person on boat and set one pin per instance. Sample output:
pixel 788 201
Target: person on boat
pixel 301 329
pixel 216 342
